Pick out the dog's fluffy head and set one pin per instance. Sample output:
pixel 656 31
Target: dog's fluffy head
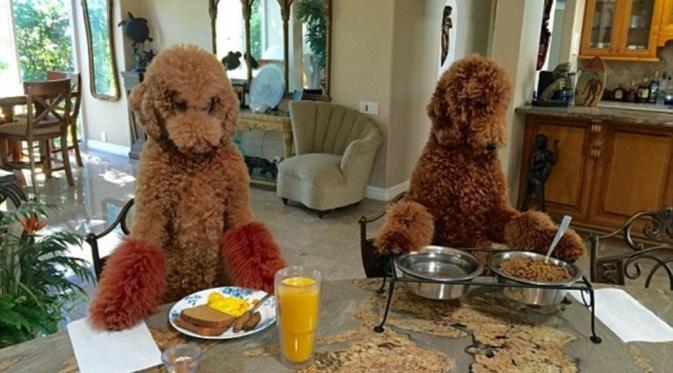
pixel 469 103
pixel 186 100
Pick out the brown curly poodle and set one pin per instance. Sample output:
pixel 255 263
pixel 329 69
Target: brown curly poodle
pixel 458 195
pixel 193 227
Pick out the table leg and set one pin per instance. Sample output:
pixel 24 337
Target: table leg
pixel 287 143
pixel 14 146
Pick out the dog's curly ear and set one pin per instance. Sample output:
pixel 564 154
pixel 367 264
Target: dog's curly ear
pixel 445 131
pixel 136 97
pixel 226 108
pixel 142 101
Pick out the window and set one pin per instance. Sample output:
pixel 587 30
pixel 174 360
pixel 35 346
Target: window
pixel 43 37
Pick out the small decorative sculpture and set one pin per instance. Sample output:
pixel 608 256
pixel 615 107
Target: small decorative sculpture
pixel 561 76
pixel 232 60
pixel 447 24
pixel 137 30
pixel 541 162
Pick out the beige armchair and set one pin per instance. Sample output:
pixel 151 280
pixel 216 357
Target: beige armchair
pixel 335 149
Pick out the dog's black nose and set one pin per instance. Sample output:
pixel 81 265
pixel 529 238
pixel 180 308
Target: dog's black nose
pixel 491 146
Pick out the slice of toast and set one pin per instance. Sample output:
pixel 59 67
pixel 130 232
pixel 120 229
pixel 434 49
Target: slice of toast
pixel 200 330
pixel 207 317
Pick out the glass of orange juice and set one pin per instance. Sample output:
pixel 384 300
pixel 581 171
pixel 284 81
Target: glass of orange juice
pixel 297 306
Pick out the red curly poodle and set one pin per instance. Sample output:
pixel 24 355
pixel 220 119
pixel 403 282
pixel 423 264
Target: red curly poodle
pixel 193 228
pixel 458 195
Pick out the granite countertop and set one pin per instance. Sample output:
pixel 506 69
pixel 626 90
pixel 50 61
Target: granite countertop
pixel 606 112
pixel 483 332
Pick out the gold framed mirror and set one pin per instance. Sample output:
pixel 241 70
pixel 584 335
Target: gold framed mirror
pixel 294 34
pixel 103 79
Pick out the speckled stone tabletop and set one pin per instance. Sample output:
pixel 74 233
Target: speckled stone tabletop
pixel 604 114
pixel 484 332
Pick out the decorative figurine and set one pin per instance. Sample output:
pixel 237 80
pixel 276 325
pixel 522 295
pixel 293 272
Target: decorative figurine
pixel 447 24
pixel 541 162
pixel 232 60
pixel 561 82
pixel 137 30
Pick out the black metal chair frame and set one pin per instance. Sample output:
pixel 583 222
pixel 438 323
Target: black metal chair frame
pixel 373 263
pixel 656 247
pixel 92 238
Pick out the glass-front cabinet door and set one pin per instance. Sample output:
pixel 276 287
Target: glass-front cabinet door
pixel 666 27
pixel 638 36
pixel 622 29
pixel 599 27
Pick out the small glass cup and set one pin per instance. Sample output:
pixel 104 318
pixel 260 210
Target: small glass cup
pixel 297 291
pixel 182 358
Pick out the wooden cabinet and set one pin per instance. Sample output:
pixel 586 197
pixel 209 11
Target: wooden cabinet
pixel 605 171
pixel 666 27
pixel 621 29
pixel 634 172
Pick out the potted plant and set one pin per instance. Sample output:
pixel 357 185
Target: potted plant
pixel 35 292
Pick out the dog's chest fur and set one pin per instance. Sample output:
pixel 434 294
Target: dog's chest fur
pixel 195 195
pixel 460 189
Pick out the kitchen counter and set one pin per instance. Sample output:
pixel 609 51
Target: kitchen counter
pixel 483 332
pixel 609 112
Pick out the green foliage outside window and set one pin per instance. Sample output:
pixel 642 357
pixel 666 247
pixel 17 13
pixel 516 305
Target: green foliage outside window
pixel 256 30
pixel 42 32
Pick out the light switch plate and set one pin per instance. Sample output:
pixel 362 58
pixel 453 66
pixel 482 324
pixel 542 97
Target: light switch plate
pixel 371 108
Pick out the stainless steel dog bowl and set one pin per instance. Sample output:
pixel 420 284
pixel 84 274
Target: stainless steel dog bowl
pixel 540 293
pixel 441 264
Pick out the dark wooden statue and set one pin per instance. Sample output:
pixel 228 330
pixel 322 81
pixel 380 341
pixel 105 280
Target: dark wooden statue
pixel 447 24
pixel 541 162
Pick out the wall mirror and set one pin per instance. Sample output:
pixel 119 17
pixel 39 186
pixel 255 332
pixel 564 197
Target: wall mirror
pixel 293 34
pixel 103 79
pixel 309 47
pixel 239 26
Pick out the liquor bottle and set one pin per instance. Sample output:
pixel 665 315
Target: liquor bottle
pixel 654 89
pixel 619 94
pixel 632 93
pixel 668 93
pixel 644 90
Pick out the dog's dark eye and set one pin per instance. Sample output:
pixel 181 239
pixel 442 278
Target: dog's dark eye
pixel 479 104
pixel 211 104
pixel 179 104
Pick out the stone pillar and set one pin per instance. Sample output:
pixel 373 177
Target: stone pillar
pixel 514 45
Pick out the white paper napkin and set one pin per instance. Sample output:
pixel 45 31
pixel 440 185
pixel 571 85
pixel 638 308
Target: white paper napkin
pixel 113 352
pixel 628 318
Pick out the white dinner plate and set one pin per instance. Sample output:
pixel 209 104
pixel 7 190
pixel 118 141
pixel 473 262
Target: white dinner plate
pixel 267 310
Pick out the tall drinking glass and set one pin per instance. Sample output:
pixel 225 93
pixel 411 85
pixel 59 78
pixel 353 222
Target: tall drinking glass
pixel 298 303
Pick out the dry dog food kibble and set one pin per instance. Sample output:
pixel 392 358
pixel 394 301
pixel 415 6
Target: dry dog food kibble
pixel 534 270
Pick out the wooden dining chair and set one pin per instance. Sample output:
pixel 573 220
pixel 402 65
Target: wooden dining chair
pixel 76 96
pixel 93 238
pixel 648 239
pixel 48 106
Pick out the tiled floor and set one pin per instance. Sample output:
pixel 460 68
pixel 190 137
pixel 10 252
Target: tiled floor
pixel 106 182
